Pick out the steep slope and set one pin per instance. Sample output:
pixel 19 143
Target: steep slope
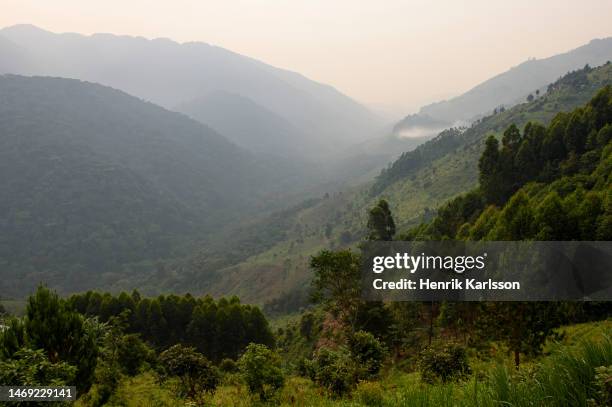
pixel 173 74
pixel 498 93
pixel 338 220
pixel 512 86
pixel 95 180
pixel 542 183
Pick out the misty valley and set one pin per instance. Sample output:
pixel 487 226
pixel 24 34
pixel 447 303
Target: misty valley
pixel 183 225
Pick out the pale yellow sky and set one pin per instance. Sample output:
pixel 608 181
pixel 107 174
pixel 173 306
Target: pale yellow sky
pixel 390 53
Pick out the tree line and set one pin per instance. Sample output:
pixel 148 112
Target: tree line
pixel 218 329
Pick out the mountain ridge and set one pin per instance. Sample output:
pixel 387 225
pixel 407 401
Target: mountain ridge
pixel 516 83
pixel 169 73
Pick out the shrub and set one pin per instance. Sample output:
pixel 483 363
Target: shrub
pixel 261 370
pixel 368 352
pixel 133 354
pixel 306 368
pixel 445 363
pixel 33 367
pixel 335 370
pixel 195 372
pixel 228 365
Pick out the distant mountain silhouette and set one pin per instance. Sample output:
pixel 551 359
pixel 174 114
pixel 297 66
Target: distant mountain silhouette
pixel 182 75
pixel 247 124
pixel 512 86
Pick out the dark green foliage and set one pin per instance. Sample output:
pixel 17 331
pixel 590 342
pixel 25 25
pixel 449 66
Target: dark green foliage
pixel 340 368
pixel 30 367
pixel 306 368
pixel 376 318
pixel 454 214
pixel 120 354
pixel 380 222
pixel 228 366
pixel 444 363
pixel 261 370
pixel 571 200
pixel 490 174
pixel 288 303
pixel 119 183
pixel 405 321
pixel 524 327
pixel 549 183
pixel 458 318
pixel 216 329
pixel 134 354
pixel 335 370
pixel 63 334
pixel 336 283
pixel 12 338
pixel 109 370
pixel 307 322
pixel 195 372
pixel 368 352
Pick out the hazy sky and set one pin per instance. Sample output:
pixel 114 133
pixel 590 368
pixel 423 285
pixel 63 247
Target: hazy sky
pixel 390 53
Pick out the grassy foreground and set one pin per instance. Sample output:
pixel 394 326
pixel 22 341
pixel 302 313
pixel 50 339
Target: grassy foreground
pixel 572 372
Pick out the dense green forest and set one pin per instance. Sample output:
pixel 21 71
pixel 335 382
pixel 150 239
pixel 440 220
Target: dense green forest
pixel 542 183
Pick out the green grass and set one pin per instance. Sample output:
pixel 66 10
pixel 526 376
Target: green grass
pixel 141 391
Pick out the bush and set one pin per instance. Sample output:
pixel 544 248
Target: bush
pixel 369 394
pixel 306 368
pixel 261 370
pixel 445 363
pixel 133 354
pixel 195 372
pixel 335 370
pixel 32 367
pixel 368 352
pixel 228 365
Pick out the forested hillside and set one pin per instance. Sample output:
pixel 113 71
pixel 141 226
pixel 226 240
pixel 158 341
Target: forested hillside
pixel 98 185
pixel 415 186
pixel 544 183
pixel 549 182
